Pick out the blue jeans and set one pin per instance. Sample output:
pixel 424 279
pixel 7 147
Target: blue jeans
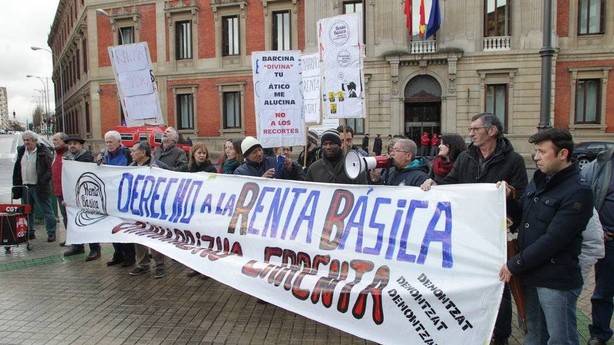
pixel 601 300
pixel 551 316
pixel 43 201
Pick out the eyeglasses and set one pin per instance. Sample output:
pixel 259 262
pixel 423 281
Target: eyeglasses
pixel 475 129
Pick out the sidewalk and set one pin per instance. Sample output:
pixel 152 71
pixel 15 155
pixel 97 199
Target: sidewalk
pixel 49 299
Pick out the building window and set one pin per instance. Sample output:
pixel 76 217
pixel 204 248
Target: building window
pixel 588 101
pixel 497 18
pixel 232 110
pixel 88 127
pixel 125 35
pixel 357 7
pixel 185 111
pixel 282 34
pixel 590 17
pixel 358 125
pixel 230 35
pixel 496 102
pixel 84 56
pixel 183 40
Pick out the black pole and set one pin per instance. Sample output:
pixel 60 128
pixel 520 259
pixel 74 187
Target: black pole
pixel 546 54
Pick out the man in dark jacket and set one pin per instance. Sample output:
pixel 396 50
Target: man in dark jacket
pixel 331 167
pixel 598 174
pixel 365 143
pixel 406 171
pixel 76 152
pixel 377 145
pixel 168 156
pixel 555 209
pixel 33 169
pixel 490 158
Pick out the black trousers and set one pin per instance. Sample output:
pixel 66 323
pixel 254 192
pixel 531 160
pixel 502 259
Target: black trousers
pixel 503 326
pixel 124 252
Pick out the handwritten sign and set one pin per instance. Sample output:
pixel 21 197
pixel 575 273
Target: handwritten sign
pixel 395 265
pixel 311 87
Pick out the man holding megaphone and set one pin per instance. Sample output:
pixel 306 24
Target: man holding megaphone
pixel 405 170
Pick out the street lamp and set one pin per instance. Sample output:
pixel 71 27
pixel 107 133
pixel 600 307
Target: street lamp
pixel 45 98
pixel 61 85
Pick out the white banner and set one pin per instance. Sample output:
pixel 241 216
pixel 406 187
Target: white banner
pixel 311 87
pixel 136 84
pixel 395 265
pixel 278 99
pixel 339 39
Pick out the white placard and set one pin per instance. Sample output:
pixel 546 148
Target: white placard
pixel 278 98
pixel 311 87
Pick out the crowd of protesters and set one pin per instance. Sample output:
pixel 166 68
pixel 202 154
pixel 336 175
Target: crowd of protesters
pixel 549 214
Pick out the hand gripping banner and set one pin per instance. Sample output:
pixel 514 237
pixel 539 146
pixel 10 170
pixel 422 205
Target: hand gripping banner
pixel 395 265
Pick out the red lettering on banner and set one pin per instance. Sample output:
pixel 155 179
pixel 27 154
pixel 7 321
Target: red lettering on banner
pixel 334 218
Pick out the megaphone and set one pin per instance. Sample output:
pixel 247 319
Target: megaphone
pixel 356 163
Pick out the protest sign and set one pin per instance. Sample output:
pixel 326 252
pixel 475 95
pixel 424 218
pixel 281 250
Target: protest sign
pixel 278 98
pixel 392 264
pixel 136 84
pixel 341 63
pixel 310 64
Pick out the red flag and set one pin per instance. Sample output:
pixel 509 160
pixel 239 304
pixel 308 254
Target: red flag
pixel 408 18
pixel 422 19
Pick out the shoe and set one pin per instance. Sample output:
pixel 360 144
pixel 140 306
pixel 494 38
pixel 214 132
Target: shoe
pixel 139 270
pixel 596 341
pixel 128 263
pixel 192 273
pixel 114 262
pixel 93 255
pixel 74 251
pixel 159 273
pixel 51 238
pixel 32 236
pixel 63 244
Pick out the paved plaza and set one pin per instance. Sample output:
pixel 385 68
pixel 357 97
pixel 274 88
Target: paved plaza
pixel 48 299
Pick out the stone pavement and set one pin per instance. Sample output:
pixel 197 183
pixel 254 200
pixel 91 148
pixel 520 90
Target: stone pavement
pixel 48 299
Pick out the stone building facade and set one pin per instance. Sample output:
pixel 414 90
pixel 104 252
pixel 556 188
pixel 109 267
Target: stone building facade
pixel 485 57
pixel 4 108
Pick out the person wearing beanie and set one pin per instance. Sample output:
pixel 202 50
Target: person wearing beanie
pixel 330 168
pixel 256 163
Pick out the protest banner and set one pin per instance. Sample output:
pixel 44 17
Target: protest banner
pixel 339 41
pixel 278 98
pixel 136 84
pixel 392 264
pixel 310 64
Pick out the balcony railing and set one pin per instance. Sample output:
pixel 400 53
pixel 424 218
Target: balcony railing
pixel 497 43
pixel 422 47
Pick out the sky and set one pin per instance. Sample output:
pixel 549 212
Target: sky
pixel 25 23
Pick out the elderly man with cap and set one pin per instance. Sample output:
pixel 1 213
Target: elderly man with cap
pixel 256 163
pixel 76 152
pixel 331 167
pixel 33 169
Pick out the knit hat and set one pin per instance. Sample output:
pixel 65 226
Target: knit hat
pixel 331 135
pixel 248 144
pixel 313 137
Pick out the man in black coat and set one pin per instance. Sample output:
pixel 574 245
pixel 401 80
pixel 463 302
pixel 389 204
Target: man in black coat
pixel 331 167
pixel 377 145
pixel 490 158
pixel 33 170
pixel 555 210
pixel 365 142
pixel 76 152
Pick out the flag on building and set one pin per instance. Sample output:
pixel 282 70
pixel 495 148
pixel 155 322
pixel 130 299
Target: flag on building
pixel 422 27
pixel 434 20
pixel 408 18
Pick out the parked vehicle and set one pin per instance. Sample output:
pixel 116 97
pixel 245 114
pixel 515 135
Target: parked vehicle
pixel 150 133
pixel 586 152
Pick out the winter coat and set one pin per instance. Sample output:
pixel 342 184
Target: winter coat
pixel 377 146
pixel 598 175
pixel 440 168
pixel 503 165
pixel 172 158
pixel 43 170
pixel 119 157
pixel 56 171
pixel 81 156
pixel 312 156
pixel 201 167
pixel 414 174
pixel 229 166
pixel 555 211
pixel 593 245
pixel 327 171
pixel 250 168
